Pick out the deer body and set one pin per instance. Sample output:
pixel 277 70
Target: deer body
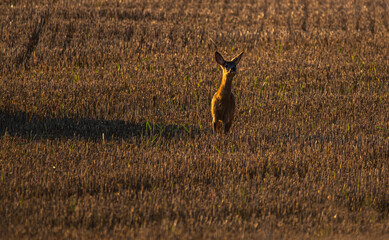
pixel 223 102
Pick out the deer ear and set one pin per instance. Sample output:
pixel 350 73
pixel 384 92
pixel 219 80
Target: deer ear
pixel 219 59
pixel 237 59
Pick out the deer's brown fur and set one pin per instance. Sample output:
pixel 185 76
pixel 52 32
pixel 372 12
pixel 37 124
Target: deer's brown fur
pixel 223 102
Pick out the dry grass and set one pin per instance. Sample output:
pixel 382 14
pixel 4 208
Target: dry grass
pixel 105 119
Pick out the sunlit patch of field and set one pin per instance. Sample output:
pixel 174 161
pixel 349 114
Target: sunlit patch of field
pixel 105 120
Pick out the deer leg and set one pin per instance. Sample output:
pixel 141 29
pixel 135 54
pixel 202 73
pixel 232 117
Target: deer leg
pixel 214 126
pixel 227 126
pixel 217 126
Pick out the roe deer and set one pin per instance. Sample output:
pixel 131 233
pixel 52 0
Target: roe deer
pixel 223 102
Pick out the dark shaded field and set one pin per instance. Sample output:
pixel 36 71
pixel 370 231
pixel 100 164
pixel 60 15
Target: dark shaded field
pixel 105 120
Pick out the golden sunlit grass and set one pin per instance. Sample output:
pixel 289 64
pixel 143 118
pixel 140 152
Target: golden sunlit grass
pixel 105 120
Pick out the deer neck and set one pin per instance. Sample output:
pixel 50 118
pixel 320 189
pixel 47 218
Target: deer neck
pixel 226 85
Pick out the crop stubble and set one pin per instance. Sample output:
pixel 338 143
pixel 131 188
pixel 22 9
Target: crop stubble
pixel 105 119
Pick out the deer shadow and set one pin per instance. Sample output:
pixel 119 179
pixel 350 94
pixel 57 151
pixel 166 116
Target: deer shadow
pixel 35 127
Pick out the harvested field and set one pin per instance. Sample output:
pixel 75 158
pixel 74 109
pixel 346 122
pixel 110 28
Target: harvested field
pixel 105 121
